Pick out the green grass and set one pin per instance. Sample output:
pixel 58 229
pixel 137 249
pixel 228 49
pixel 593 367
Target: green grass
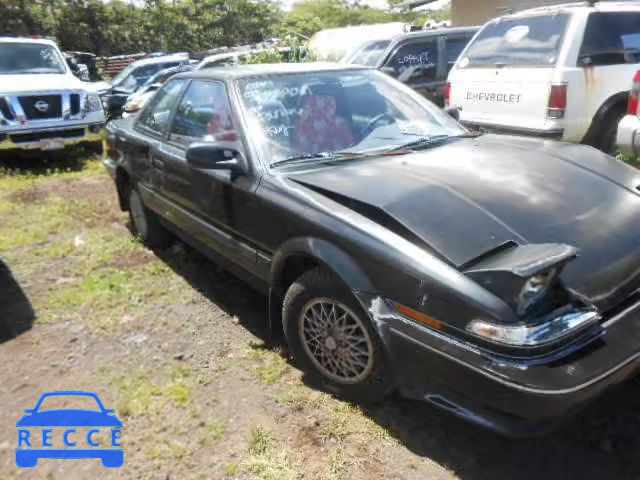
pixel 139 396
pixel 268 366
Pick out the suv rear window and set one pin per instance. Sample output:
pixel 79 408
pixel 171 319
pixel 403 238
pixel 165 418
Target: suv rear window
pixel 611 38
pixel 517 42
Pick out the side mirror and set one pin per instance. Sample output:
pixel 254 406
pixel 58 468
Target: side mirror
pixel 216 156
pixel 453 112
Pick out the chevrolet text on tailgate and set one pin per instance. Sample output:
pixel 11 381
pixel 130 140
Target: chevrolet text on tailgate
pixel 560 71
pixel 43 106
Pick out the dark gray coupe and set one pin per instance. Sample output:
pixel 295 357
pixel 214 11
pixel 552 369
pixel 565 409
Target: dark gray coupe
pixel 496 277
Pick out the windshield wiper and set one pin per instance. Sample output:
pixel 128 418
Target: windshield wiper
pixel 421 142
pixel 313 156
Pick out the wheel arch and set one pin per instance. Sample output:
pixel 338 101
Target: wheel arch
pixel 122 179
pixel 299 255
pixel 610 105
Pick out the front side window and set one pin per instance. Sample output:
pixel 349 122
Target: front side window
pixel 415 62
pixel 32 58
pixel 204 113
pixel 358 111
pixel 155 118
pixel 611 38
pixel 517 42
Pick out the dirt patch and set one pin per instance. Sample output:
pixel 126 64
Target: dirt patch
pixel 29 195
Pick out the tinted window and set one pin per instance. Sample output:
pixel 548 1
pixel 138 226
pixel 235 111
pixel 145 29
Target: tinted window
pixel 204 113
pixel 525 42
pixel 454 49
pixel 156 116
pixel 611 38
pixel 370 54
pixel 416 62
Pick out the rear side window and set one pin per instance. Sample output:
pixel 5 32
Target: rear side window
pixel 518 42
pixel 415 62
pixel 370 54
pixel 611 38
pixel 204 113
pixel 454 48
pixel 155 117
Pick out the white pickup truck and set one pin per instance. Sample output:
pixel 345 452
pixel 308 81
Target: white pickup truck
pixel 560 71
pixel 43 106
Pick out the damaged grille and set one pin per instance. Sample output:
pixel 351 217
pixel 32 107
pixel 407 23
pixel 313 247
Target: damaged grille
pixel 41 107
pixel 36 136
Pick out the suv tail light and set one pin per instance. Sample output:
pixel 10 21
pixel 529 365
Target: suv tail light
pixel 557 101
pixel 447 94
pixel 634 96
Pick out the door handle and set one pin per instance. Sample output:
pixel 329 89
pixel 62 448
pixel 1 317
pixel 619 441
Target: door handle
pixel 157 163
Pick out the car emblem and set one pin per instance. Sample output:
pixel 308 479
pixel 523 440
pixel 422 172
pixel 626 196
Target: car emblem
pixel 41 106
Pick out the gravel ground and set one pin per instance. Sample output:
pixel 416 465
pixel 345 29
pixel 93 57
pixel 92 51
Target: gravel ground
pixel 180 349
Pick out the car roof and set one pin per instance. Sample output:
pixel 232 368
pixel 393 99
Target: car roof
pixel 42 41
pixel 162 59
pixel 439 31
pixel 241 71
pixel 605 6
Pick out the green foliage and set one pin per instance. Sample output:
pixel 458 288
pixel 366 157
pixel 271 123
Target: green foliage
pixel 119 27
pixel 291 50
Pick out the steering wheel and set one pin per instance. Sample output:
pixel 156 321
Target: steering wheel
pixel 370 127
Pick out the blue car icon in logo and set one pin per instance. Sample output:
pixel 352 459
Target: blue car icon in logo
pixel 30 440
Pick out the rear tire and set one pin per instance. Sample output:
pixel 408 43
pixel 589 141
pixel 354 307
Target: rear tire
pixel 146 223
pixel 605 138
pixel 332 339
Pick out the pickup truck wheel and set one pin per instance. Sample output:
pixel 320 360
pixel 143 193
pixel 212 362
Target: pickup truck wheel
pixel 332 340
pixel 146 223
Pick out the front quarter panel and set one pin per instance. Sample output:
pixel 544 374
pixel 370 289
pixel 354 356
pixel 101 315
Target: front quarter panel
pixel 368 257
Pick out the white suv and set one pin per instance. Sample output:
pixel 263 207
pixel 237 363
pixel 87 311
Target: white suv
pixel 560 71
pixel 43 105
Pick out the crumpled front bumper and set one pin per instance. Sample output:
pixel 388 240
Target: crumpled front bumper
pixel 51 138
pixel 515 397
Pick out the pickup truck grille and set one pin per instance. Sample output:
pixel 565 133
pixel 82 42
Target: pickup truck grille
pixel 41 107
pixel 36 136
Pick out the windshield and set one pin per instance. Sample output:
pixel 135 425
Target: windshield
pixel 359 111
pixel 369 54
pixel 119 78
pixel 526 42
pixel 16 58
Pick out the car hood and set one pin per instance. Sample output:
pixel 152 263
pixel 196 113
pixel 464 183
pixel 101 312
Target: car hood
pixel 10 84
pixel 69 418
pixel 470 196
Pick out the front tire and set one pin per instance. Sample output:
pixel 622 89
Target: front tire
pixel 332 339
pixel 145 223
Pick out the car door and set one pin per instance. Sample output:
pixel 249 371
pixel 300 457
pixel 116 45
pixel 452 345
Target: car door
pixel 220 205
pixel 143 144
pixel 418 63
